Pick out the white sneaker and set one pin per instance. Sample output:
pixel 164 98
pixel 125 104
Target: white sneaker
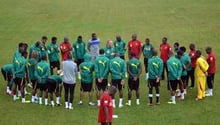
pixel 91 104
pixel 209 94
pixel 138 103
pixel 120 106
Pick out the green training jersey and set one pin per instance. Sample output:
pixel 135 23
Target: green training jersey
pixel 8 68
pixel 147 50
pixel 109 52
pixel 133 66
pixel 86 70
pixel 120 47
pixel 53 52
pixel 118 68
pixel 174 68
pixel 19 66
pixel 79 49
pixel 101 67
pixel 31 68
pixel 42 71
pixel 33 48
pixel 155 67
pixel 57 78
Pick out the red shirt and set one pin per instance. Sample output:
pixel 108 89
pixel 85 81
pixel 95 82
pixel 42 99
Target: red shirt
pixel 211 61
pixel 106 101
pixel 165 50
pixel 193 57
pixel 65 49
pixel 135 47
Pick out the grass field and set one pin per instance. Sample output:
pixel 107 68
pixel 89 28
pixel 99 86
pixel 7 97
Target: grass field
pixel 184 21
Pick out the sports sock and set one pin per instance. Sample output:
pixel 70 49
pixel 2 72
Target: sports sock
pixel 46 101
pixel 7 90
pixel 14 97
pixel 137 101
pixel 66 104
pixel 157 98
pixel 23 100
pixel 113 101
pixel 120 101
pixel 52 103
pixel 58 100
pixel 98 102
pixel 40 100
pixel 150 97
pixel 182 95
pixel 32 98
pixel 129 102
pixel 19 93
pixel 173 99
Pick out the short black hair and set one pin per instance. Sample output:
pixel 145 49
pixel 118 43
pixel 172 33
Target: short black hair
pixel 20 44
pixel 183 48
pixel 164 38
pixel 101 51
pixel 179 52
pixel 79 37
pixel 44 37
pixel 176 43
pixel 44 57
pixel 53 38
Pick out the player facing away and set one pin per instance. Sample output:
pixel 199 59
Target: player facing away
pixel 134 70
pixel 41 73
pixel 79 50
pixel 65 48
pixel 211 59
pixel 134 46
pixel 191 71
pixel 93 46
pixel 101 74
pixel 174 74
pixel 155 68
pixel 165 50
pixel 7 74
pixel 54 84
pixel 53 54
pixel 35 48
pixel 86 70
pixel 200 74
pixel 120 46
pixel 147 50
pixel 106 107
pixel 69 80
pixel 118 73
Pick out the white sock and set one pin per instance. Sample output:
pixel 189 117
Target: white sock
pixel 14 97
pixel 113 101
pixel 120 101
pixel 98 102
pixel 70 105
pixel 58 100
pixel 52 103
pixel 185 91
pixel 19 93
pixel 25 90
pixel 23 100
pixel 46 101
pixel 173 98
pixel 147 75
pixel 7 90
pixel 40 100
pixel 179 93
pixel 36 97
pixel 66 105
pixel 211 91
pixel 129 102
pixel 33 99
pixel 137 101
pixel 182 95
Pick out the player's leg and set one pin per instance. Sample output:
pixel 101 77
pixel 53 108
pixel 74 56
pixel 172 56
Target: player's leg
pixel 98 90
pixel 173 87
pixel 114 83
pixel 45 94
pixel 72 88
pixel 150 95
pixel 58 95
pixel 14 88
pixel 41 93
pixel 51 67
pixel 146 68
pixel 130 87
pixel 81 94
pixel 157 93
pixel 89 90
pixel 136 87
pixel 120 88
pixel 192 76
pixel 66 92
pixel 22 86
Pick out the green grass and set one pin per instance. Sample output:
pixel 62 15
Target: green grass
pixel 185 21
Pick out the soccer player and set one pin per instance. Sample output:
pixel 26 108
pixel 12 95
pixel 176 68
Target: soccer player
pixel 135 46
pixel 211 59
pixel 53 54
pixel 106 109
pixel 54 83
pixel 200 74
pixel 42 72
pixel 86 70
pixel 35 47
pixel 69 80
pixel 109 50
pixel 147 50
pixel 32 62
pixel 7 74
pixel 155 68
pixel 186 61
pixel 191 71
pixel 43 46
pixel 65 48
pixel 165 50
pixel 101 74
pixel 174 74
pixel 93 46
pixel 79 50
pixel 176 47
pixel 120 46
pixel 134 70
pixel 19 70
pixel 118 73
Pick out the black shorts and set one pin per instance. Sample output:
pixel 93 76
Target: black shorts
pixel 7 77
pixel 117 83
pixel 173 84
pixel 42 87
pixel 133 85
pixel 34 84
pixel 152 83
pixel 51 85
pixel 184 79
pixel 79 61
pixel 55 64
pixel 19 81
pixel 101 86
pixel 146 63
pixel 86 87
